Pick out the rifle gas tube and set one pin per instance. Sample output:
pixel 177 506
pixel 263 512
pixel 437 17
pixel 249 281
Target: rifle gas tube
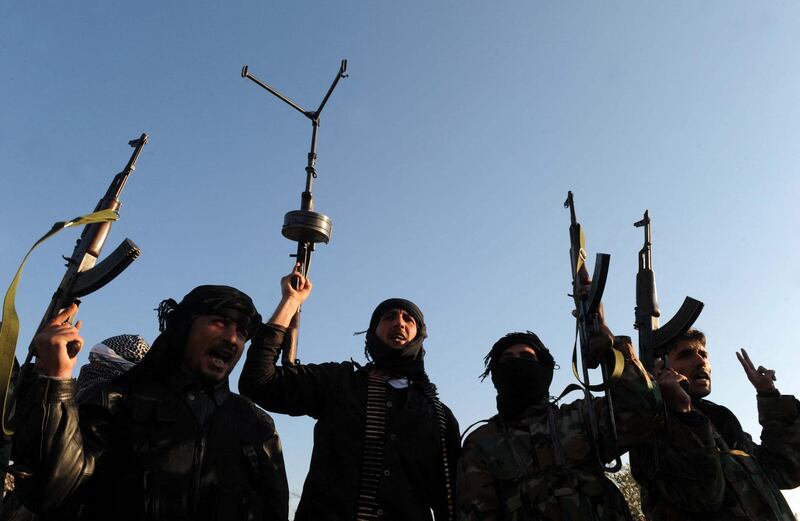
pixel 304 226
pixel 587 306
pixel 653 338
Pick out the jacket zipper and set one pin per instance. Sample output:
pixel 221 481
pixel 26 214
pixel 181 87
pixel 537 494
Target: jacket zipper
pixel 199 458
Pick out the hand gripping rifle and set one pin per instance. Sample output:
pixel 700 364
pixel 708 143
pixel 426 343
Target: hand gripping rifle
pixel 304 226
pixel 653 338
pixel 84 275
pixel 587 307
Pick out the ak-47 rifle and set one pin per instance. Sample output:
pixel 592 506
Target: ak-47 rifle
pixel 587 308
pixel 83 274
pixel 653 338
pixel 304 226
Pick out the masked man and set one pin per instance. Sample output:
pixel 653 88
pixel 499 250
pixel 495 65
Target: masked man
pixel 703 466
pixel 535 460
pixel 165 441
pixel 385 447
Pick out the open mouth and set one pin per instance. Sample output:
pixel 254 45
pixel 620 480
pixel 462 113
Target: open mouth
pixel 702 376
pixel 220 357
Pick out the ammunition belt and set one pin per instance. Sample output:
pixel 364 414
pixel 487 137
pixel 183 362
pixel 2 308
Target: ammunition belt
pixel 374 439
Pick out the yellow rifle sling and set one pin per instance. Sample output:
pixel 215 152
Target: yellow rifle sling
pixel 616 372
pixel 9 328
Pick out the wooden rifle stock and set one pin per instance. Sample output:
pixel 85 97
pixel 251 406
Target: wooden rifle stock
pixel 289 345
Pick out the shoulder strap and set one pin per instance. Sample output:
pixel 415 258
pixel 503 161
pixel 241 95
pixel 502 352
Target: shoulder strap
pixel 466 431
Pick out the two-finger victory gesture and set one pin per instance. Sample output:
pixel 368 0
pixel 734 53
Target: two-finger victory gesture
pixel 763 379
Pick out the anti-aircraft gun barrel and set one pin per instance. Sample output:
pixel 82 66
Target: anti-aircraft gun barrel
pixel 304 226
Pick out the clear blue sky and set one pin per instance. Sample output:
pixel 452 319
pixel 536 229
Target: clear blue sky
pixel 443 161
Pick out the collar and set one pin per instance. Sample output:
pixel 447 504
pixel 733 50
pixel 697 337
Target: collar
pixel 398 383
pixel 182 381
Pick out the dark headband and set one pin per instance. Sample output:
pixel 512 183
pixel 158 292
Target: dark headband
pixel 223 301
pixel 398 303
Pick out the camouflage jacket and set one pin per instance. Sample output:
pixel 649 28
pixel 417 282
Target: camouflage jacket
pixel 707 468
pixel 520 471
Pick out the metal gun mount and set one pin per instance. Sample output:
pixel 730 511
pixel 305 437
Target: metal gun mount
pixel 305 226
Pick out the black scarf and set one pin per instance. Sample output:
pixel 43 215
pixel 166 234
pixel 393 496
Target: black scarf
pixel 520 383
pixel 223 301
pixel 407 362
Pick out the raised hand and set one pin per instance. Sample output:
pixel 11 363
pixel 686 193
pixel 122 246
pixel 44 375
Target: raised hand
pixel 53 357
pixel 295 289
pixel 295 286
pixel 763 379
pixel 673 387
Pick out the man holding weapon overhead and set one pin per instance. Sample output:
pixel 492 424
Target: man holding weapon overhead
pixel 156 443
pixel 385 447
pixel 82 277
pixel 701 465
pixel 536 460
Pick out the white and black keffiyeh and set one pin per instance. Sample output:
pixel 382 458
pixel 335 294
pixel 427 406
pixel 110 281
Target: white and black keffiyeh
pixel 109 359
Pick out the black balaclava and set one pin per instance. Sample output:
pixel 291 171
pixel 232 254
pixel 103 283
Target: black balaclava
pixel 520 382
pixel 407 361
pixel 175 321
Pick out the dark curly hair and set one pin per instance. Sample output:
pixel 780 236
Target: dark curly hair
pixel 528 338
pixel 691 335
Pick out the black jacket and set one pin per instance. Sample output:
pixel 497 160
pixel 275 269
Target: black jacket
pixel 149 449
pixel 412 481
